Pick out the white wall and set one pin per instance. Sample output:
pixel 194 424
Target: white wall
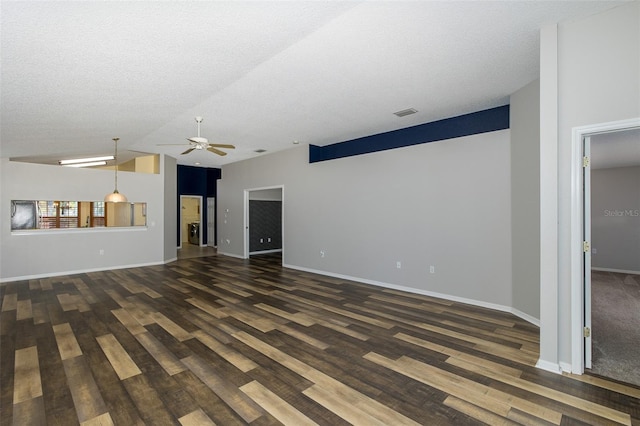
pixel 48 253
pixel 272 194
pixel 598 81
pixel 525 198
pixel 615 218
pixel 445 204
pixel 549 199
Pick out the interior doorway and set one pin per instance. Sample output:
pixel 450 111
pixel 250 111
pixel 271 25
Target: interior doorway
pixel 602 156
pixel 190 220
pixel 264 221
pixel 614 255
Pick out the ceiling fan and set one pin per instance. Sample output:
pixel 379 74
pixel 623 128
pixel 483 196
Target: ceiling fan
pixel 199 142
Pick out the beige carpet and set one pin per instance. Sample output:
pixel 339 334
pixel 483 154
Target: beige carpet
pixel 615 320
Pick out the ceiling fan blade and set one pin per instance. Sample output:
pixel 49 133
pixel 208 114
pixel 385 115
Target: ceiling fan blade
pixel 216 151
pixel 187 151
pixel 198 139
pixel 221 145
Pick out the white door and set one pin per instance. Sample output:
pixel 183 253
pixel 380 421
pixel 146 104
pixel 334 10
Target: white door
pixel 586 208
pixel 211 222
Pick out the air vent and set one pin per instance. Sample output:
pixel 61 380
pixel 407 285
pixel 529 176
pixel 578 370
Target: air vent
pixel 260 151
pixel 405 112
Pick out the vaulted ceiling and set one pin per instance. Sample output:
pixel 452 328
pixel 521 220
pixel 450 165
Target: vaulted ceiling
pixel 263 75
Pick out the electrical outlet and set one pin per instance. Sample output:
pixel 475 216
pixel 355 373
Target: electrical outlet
pixel 398 264
pixel 261 240
pixel 321 253
pixel 432 269
pixel 101 252
pixel 269 239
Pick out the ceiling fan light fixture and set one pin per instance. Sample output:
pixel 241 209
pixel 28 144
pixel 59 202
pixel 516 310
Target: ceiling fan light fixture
pixel 198 140
pixel 115 196
pixel 201 143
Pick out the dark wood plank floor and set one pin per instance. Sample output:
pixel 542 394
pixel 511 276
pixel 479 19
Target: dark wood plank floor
pixel 217 340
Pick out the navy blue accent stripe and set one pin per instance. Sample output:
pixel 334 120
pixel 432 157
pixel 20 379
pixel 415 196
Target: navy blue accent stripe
pixel 488 120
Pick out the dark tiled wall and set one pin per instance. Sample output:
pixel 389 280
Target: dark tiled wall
pixel 265 225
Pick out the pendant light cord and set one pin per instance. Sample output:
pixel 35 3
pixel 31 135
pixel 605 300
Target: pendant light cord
pixel 115 157
pixel 115 196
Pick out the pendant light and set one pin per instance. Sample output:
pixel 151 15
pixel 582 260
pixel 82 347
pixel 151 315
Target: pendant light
pixel 115 196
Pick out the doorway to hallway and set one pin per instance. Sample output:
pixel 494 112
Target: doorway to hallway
pixel 190 220
pixel 591 231
pixel 612 228
pixel 264 221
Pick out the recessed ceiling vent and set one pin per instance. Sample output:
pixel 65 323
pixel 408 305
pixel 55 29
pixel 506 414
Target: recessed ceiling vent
pixel 405 112
pixel 260 151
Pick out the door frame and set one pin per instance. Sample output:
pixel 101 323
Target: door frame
pixel 199 197
pixel 577 226
pixel 245 227
pixel 586 254
pixel 211 223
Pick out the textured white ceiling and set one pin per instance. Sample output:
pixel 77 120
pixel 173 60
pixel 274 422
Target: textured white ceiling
pixel 262 74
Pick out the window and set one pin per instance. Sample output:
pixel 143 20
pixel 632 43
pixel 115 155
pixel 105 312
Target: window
pixel 40 214
pixel 58 214
pixel 98 215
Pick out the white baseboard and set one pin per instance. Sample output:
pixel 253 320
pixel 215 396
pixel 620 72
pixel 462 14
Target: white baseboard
pixel 533 320
pixel 80 271
pixel 265 251
pixel 565 367
pixel 474 302
pixel 549 366
pixel 620 271
pixel 230 255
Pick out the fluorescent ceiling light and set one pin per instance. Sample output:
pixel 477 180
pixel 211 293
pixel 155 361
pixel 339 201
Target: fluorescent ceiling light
pixel 89 164
pixel 85 160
